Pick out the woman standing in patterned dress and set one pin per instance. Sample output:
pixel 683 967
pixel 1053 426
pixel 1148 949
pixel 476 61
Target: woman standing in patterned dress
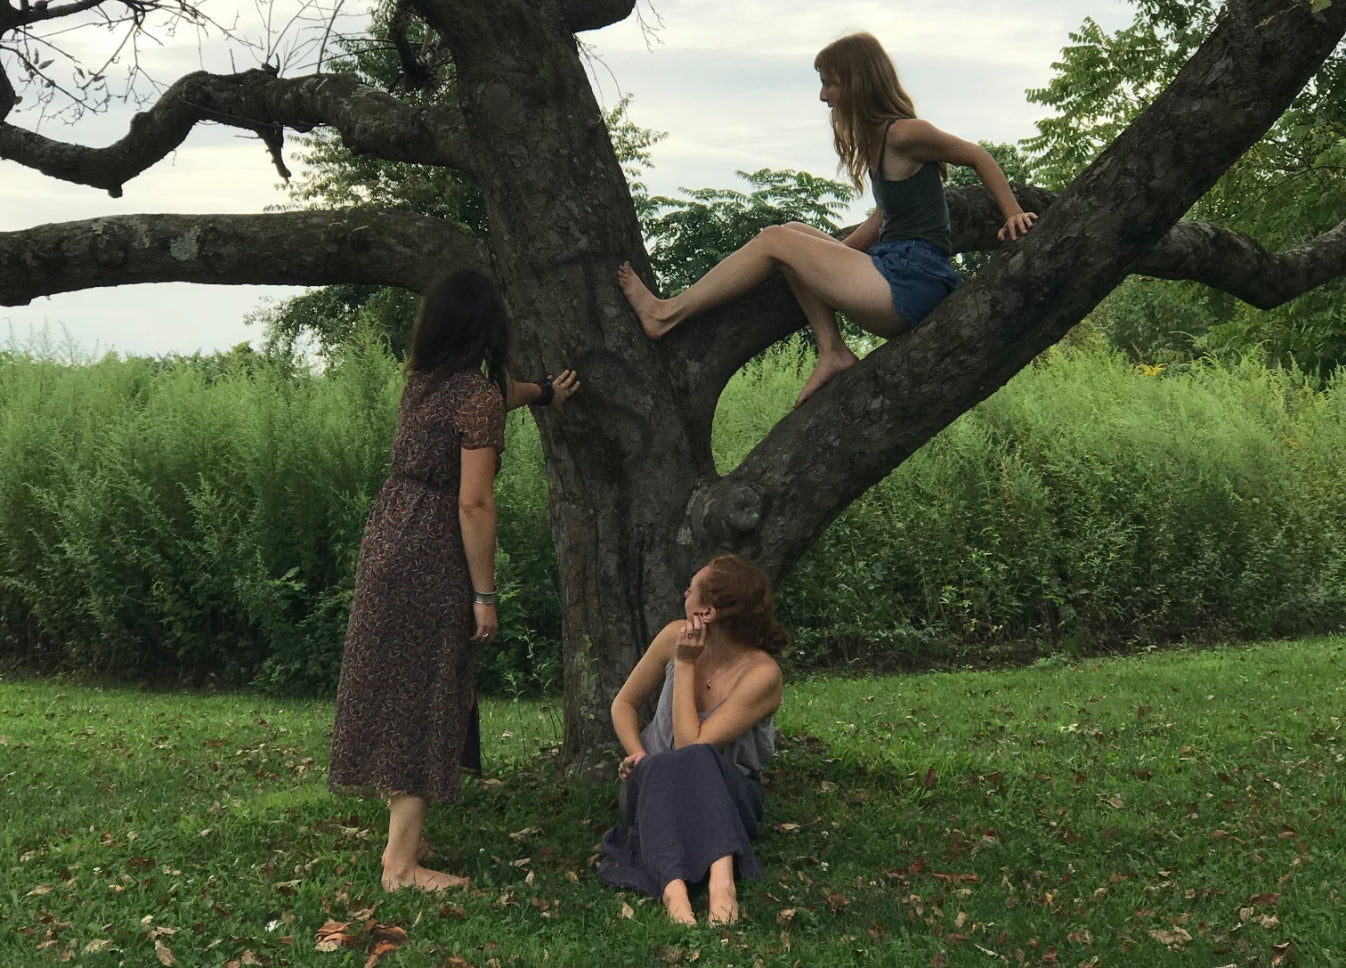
pixel 425 584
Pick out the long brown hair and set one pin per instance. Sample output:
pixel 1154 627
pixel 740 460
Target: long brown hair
pixel 743 603
pixel 870 95
pixel 462 324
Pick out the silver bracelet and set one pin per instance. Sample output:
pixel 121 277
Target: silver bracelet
pixel 484 598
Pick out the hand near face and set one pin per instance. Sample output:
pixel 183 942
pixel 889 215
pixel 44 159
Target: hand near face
pixel 692 639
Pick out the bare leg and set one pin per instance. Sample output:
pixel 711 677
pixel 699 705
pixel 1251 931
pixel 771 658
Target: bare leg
pixel 840 277
pixel 833 353
pixel 678 904
pixel 406 817
pixel 723 894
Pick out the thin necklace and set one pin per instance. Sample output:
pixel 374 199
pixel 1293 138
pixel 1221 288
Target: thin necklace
pixel 717 672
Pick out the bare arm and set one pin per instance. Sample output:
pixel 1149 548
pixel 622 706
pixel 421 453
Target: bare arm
pixel 639 686
pixel 921 141
pixel 866 233
pixel 520 394
pixel 476 518
pixel 756 694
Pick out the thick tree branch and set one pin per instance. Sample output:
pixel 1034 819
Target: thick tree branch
pixel 871 418
pixel 369 121
pixel 593 14
pixel 1239 265
pixel 1193 250
pixel 288 248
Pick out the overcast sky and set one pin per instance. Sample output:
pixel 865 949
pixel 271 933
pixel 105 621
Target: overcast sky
pixel 730 81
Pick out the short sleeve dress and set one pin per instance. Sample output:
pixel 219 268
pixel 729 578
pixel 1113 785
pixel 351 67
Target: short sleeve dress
pixel 405 707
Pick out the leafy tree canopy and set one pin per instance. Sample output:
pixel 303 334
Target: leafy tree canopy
pixel 1287 189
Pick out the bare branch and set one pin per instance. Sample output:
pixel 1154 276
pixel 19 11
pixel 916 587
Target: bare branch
pixel 38 12
pixel 290 248
pixel 370 122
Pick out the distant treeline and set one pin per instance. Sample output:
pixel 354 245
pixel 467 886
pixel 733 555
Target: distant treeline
pixel 198 520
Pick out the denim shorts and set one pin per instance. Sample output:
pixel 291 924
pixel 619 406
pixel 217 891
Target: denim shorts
pixel 919 276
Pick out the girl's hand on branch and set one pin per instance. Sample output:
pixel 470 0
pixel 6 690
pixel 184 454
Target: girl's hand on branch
pixel 1016 225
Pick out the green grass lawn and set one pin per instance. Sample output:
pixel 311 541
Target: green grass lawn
pixel 1174 809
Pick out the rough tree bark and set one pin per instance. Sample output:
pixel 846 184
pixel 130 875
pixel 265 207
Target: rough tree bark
pixel 636 501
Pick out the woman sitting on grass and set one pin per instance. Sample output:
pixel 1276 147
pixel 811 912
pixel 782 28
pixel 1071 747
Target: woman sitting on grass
pixel 690 798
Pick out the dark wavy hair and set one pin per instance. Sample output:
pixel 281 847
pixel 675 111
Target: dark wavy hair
pixel 462 325
pixel 743 602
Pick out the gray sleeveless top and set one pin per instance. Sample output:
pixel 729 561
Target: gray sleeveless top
pixel 912 207
pixel 749 752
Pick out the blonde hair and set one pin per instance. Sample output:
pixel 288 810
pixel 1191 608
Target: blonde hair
pixel 870 95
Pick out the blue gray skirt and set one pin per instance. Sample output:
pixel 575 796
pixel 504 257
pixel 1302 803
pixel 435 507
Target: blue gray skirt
pixel 682 810
pixel 919 276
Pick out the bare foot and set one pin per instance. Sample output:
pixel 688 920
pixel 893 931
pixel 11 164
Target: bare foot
pixel 829 365
pixel 644 302
pixel 723 893
pixel 422 878
pixel 678 904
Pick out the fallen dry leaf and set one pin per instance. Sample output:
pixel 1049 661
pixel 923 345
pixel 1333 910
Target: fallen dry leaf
pixel 626 911
pixel 332 936
pixel 1279 952
pixel 1174 938
pixel 40 890
pixel 162 952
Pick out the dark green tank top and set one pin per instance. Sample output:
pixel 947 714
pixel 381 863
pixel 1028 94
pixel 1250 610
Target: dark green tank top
pixel 913 207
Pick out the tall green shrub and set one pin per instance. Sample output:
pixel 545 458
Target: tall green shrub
pixel 1089 505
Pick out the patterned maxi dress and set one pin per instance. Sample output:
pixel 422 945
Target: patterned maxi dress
pixel 405 709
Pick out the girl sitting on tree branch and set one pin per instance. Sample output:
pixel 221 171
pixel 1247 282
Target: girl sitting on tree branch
pixel 894 268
